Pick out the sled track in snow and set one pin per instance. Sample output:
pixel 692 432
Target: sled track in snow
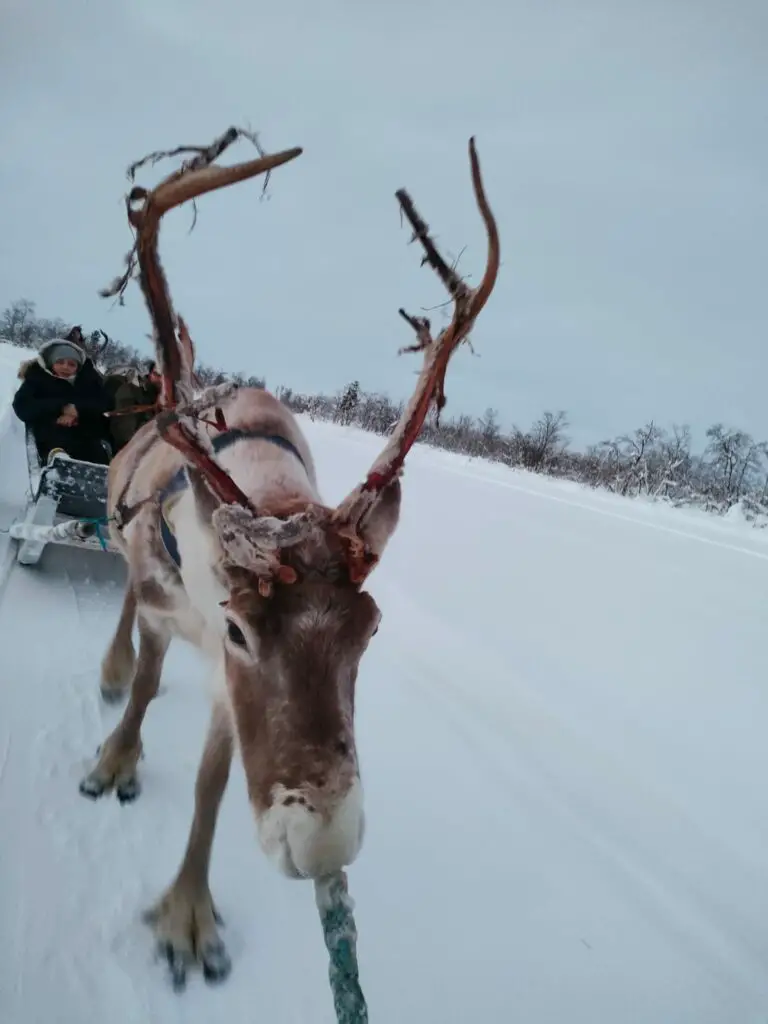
pixel 49 636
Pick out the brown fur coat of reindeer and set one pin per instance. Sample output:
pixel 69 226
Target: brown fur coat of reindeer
pixel 228 543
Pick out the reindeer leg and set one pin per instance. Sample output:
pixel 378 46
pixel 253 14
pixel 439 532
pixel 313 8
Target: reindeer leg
pixel 119 663
pixel 184 919
pixel 120 752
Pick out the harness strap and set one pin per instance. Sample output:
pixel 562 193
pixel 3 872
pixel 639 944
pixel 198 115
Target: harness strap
pixel 169 541
pixel 132 409
pixel 229 437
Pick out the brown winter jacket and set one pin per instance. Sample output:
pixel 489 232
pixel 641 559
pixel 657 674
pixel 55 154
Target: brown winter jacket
pixel 136 391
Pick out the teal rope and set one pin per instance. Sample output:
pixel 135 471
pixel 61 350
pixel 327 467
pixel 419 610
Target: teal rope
pixel 100 535
pixel 336 914
pixel 98 522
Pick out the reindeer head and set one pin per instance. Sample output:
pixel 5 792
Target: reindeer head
pixel 296 626
pixel 297 620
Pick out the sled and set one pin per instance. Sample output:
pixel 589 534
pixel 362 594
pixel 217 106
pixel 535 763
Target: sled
pixel 68 506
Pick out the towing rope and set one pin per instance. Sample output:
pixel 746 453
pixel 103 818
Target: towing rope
pixel 336 914
pixel 98 522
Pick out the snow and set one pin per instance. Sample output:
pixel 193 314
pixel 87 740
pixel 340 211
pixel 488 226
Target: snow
pixel 10 358
pixel 562 728
pixel 14 478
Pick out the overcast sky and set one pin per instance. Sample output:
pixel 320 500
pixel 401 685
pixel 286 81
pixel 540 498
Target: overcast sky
pixel 625 151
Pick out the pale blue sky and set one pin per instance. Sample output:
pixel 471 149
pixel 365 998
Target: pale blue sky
pixel 625 149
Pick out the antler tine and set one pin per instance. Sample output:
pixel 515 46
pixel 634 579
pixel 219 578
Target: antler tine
pixel 430 386
pixel 107 340
pixel 180 187
pixel 187 349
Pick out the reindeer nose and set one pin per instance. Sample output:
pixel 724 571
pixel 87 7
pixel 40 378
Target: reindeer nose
pixel 309 834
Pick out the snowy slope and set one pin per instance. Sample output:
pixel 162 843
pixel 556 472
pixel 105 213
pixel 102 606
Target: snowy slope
pixel 14 478
pixel 10 359
pixel 562 728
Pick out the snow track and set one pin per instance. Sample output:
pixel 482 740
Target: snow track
pixel 562 726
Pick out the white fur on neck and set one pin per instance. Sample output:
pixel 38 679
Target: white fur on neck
pixel 198 552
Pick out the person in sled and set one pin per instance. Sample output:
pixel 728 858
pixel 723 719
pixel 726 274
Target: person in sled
pixel 62 399
pixel 138 392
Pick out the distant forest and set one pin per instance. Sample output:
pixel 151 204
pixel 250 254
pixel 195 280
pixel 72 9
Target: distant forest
pixel 649 461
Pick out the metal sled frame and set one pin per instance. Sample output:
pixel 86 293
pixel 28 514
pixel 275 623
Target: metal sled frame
pixel 68 506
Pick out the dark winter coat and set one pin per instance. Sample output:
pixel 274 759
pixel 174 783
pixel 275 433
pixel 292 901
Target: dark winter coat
pixel 42 397
pixel 113 381
pixel 139 391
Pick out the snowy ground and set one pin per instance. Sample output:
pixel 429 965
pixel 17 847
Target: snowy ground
pixel 562 723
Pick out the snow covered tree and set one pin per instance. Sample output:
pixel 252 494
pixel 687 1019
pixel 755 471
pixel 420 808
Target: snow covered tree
pixel 347 406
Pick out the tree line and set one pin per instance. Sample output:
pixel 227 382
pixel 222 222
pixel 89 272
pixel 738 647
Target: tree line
pixel 650 461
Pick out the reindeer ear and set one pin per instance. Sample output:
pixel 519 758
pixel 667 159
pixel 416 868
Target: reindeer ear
pixel 206 501
pixel 381 521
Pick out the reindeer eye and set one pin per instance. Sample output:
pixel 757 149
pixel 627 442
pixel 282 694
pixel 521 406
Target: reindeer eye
pixel 235 634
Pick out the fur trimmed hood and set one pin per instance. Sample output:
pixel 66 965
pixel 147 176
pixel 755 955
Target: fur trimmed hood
pixel 39 359
pixel 25 367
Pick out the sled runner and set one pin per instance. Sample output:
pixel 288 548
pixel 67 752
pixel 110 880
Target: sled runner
pixel 68 506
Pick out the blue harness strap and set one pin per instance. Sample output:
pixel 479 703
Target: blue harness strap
pixel 228 437
pixel 179 481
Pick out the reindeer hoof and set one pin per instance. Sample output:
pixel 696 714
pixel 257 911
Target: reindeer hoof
pixel 185 929
pixel 128 789
pixel 112 695
pixel 115 768
pixel 215 962
pixel 93 787
pixel 178 963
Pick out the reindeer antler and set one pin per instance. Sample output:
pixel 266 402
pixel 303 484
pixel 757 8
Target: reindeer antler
pixel 105 345
pixel 175 356
pixel 145 210
pixel 430 387
pixel 187 349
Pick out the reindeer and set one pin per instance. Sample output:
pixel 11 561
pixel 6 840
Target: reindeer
pixel 216 509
